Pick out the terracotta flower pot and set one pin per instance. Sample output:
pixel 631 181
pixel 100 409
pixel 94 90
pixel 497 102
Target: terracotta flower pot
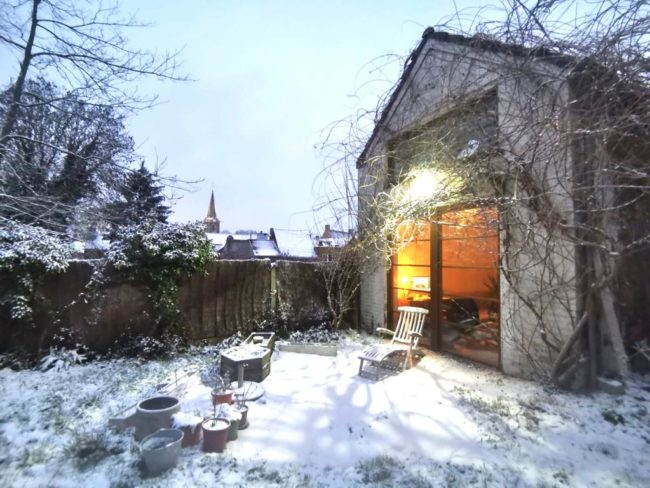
pixel 191 427
pixel 215 434
pixel 243 423
pixel 192 435
pixel 222 397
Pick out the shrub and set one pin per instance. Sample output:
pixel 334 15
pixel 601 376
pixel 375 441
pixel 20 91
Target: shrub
pixel 158 255
pixel 146 347
pixel 27 255
pixel 285 319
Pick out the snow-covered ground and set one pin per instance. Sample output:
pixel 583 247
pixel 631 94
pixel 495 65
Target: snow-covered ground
pixel 442 423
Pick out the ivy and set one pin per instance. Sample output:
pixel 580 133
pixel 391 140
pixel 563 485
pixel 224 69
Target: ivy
pixel 158 255
pixel 27 254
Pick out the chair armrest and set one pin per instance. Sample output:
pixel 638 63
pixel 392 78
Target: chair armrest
pixel 382 330
pixel 414 338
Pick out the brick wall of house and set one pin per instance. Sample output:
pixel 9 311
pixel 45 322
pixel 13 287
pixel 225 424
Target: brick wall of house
pixel 373 298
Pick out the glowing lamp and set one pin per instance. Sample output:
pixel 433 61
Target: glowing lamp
pixel 428 184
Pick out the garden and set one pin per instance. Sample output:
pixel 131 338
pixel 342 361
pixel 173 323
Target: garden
pixel 444 422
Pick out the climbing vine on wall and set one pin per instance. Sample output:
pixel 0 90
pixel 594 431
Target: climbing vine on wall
pixel 27 256
pixel 158 255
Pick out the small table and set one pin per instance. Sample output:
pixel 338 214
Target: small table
pixel 257 360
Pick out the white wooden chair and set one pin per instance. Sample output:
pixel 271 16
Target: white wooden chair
pixel 404 339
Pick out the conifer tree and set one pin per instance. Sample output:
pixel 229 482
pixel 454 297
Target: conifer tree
pixel 141 199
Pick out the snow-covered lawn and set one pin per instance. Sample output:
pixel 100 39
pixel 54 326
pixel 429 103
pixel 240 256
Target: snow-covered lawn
pixel 442 423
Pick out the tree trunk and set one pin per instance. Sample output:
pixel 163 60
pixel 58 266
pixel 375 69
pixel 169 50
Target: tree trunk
pixel 558 366
pixel 17 91
pixel 612 326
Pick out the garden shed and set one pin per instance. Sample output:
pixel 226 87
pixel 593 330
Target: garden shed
pixel 497 185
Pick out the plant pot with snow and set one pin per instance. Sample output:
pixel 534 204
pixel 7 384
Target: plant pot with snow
pixel 243 411
pixel 232 414
pixel 222 392
pixel 150 415
pixel 191 427
pixel 215 434
pixel 222 397
pixel 241 406
pixel 160 450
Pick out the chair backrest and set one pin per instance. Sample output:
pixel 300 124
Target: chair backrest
pixel 411 319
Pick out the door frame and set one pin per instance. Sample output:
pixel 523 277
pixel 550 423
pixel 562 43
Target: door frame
pixel 435 273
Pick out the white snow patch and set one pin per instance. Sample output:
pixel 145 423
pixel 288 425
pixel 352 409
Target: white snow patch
pixel 183 419
pixel 294 243
pixel 246 351
pixel 442 423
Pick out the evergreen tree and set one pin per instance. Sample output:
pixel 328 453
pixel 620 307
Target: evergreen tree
pixel 142 199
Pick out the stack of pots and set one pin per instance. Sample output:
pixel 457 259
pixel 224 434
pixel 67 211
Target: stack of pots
pixel 215 429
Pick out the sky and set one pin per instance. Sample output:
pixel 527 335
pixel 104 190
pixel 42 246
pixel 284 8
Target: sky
pixel 268 78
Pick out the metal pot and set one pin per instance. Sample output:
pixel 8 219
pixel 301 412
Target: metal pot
pixel 160 450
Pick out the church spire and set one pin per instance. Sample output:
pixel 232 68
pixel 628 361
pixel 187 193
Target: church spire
pixel 211 221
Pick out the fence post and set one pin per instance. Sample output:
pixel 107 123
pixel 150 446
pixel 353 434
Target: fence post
pixel 274 287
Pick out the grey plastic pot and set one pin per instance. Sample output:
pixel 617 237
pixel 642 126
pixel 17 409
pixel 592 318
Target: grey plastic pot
pixel 150 415
pixel 160 450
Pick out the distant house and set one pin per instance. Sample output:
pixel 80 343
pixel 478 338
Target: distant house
pixel 94 247
pixel 294 244
pixel 327 244
pixel 277 244
pixel 218 240
pixel 249 246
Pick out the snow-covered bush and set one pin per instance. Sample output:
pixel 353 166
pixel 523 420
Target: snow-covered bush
pixel 24 248
pixel 145 347
pixel 320 333
pixel 27 255
pixel 150 247
pixel 287 318
pixel 59 359
pixel 158 255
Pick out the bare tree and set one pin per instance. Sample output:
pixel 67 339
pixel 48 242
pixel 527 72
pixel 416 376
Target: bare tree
pixel 82 48
pixel 341 275
pixel 62 158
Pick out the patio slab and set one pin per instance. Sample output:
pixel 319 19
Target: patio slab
pixel 316 349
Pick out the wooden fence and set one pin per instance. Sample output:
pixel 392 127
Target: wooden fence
pixel 228 298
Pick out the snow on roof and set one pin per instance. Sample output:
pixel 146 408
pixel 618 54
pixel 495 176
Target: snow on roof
pixel 218 240
pixel 264 249
pixel 294 243
pixel 338 239
pixel 77 246
pixel 98 243
pixel 246 237
pixel 332 238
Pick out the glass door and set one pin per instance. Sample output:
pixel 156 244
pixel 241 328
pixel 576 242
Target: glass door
pixel 410 279
pixel 469 284
pixel 450 267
